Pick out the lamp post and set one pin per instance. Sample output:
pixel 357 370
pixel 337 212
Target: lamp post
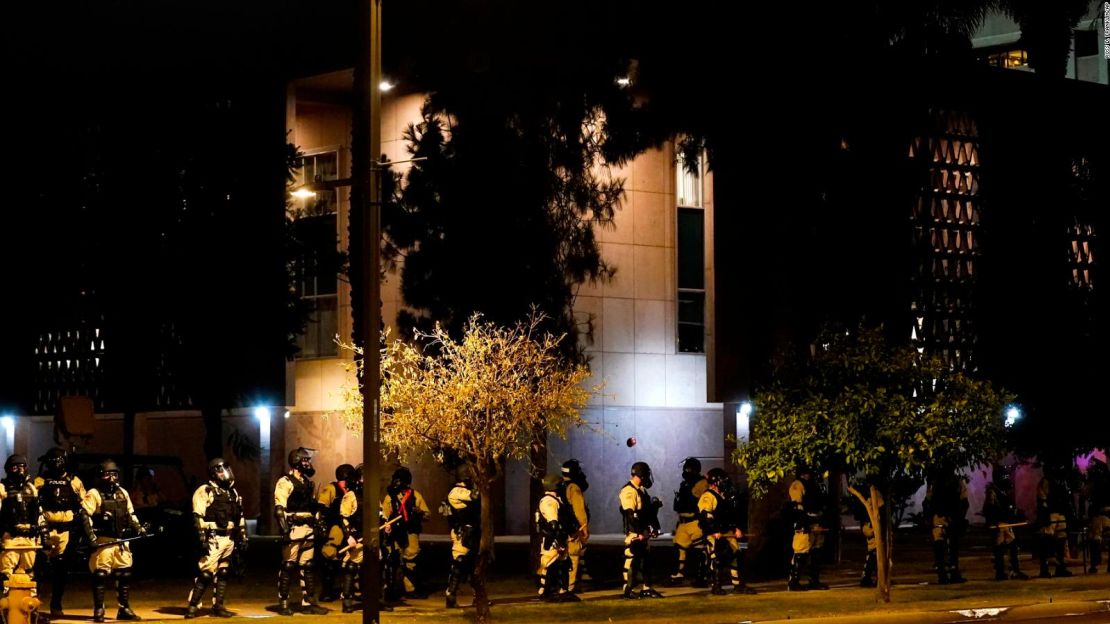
pixel 365 147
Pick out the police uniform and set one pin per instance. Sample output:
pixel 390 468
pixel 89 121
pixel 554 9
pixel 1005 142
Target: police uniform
pixel 329 499
pixel 688 532
pixel 1053 510
pixel 807 505
pixel 350 514
pixel 60 498
pixel 463 507
pixel 22 523
pixel 998 510
pixel 1098 510
pixel 641 523
pixel 554 566
pixel 218 514
pixel 109 516
pixel 720 522
pixel 297 511
pixel 946 504
pixel 404 534
pixel 574 507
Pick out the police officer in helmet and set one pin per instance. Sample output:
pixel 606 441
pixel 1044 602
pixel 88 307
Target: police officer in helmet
pixel 60 495
pixel 576 517
pixel 297 515
pixel 688 533
pixel 221 530
pixel 20 518
pixel 640 512
pixel 108 516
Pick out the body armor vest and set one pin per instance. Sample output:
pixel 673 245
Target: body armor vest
pixel 225 508
pixel 552 531
pixel 300 499
pixel 404 503
pixel 332 514
pixel 642 519
pixel 112 519
pixel 20 506
pixel 566 511
pixel 684 500
pixel 470 514
pixel 56 494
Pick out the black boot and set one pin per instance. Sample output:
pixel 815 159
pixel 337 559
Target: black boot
pixel 715 583
pixel 350 605
pixel 413 575
pixel 940 561
pixel 285 575
pixel 870 568
pixel 100 580
pixel 196 595
pixel 454 576
pixel 1061 561
pixel 123 592
pixel 1015 567
pixel 218 608
pixel 794 581
pixel 681 561
pixel 58 578
pixel 308 600
pixel 999 559
pixel 330 580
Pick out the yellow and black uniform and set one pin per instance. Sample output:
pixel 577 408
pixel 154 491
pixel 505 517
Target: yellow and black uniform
pixel 554 564
pixel 108 517
pixel 22 524
pixel 297 515
pixel 719 514
pixel 350 513
pixel 221 529
pixel 688 533
pixel 60 495
pixel 407 509
pixel 329 499
pixel 1054 510
pixel 999 511
pixel 577 520
pixel 641 523
pixel 806 506
pixel 1098 510
pixel 463 510
pixel 946 505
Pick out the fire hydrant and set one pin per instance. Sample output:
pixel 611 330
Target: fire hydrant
pixel 19 606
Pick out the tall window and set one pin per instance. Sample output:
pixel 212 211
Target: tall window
pixel 317 272
pixel 689 189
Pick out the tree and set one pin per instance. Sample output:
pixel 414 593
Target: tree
pixel 482 397
pixel 860 405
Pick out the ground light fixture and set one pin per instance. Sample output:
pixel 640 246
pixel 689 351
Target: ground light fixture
pixel 8 422
pixel 262 413
pixel 1013 414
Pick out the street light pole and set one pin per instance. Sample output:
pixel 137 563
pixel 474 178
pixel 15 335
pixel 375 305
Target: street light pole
pixel 365 147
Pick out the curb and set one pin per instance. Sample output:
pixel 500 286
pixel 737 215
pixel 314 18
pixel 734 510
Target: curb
pixel 1023 612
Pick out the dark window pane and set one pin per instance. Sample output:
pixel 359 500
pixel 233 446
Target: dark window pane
pixel 691 248
pixel 691 322
pixel 318 339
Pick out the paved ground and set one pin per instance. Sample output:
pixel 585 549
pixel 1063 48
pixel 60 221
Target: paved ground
pixel 160 595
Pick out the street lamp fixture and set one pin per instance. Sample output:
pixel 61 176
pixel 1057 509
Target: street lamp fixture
pixel 1013 414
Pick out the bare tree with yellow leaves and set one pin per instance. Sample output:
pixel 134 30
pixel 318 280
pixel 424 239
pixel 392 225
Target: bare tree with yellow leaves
pixel 485 397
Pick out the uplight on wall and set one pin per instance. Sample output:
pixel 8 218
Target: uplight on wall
pixel 262 413
pixel 8 422
pixel 743 420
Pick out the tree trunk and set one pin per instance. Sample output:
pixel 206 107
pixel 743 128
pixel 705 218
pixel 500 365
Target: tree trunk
pixel 880 522
pixel 485 552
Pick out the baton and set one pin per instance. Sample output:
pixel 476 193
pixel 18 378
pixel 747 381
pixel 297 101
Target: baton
pixel 1007 525
pixel 122 541
pixel 358 542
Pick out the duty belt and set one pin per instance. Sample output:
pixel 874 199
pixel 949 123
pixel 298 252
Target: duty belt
pixel 302 518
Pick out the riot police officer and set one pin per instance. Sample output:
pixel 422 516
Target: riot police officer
pixel 641 523
pixel 688 533
pixel 60 495
pixel 221 530
pixel 999 510
pixel 807 505
pixel 719 514
pixel 297 514
pixel 108 517
pixel 406 508
pixel 576 517
pixel 20 518
pixel 1055 509
pixel 329 498
pixel 1098 509
pixel 554 570
pixel 463 511
pixel 946 506
pixel 350 513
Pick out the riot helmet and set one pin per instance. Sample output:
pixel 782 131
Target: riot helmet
pixel 718 478
pixel 108 475
pixel 220 472
pixel 642 470
pixel 54 462
pixel 343 472
pixel 357 480
pixel 691 469
pixel 551 482
pixel 464 475
pixel 16 467
pixel 572 470
pixel 301 460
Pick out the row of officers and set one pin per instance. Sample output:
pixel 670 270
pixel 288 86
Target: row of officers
pixel 321 542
